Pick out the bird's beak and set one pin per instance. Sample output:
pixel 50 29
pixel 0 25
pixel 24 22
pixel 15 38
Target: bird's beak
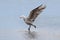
pixel 20 17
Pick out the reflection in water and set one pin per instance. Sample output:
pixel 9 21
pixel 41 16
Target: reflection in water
pixel 42 34
pixel 30 35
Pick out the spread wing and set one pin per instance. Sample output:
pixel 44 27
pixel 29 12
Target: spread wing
pixel 35 12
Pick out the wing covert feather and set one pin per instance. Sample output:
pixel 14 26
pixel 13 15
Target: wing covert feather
pixel 35 12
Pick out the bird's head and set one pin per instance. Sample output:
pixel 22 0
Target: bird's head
pixel 22 17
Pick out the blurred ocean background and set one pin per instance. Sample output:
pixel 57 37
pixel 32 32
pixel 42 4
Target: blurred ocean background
pixel 14 28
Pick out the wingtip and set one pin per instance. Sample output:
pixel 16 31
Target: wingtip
pixel 42 6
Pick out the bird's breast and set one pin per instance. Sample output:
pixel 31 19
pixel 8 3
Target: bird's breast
pixel 28 22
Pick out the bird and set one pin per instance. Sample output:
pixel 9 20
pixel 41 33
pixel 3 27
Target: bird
pixel 32 16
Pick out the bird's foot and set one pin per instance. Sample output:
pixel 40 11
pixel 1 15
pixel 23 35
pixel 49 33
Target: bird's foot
pixel 28 29
pixel 34 26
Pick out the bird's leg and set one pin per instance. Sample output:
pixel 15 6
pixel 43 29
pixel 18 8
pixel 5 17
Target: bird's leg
pixel 34 26
pixel 29 27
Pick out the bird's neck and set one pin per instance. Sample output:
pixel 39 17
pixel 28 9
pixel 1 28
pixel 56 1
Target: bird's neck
pixel 24 18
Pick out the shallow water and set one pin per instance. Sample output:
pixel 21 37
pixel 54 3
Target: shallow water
pixel 39 34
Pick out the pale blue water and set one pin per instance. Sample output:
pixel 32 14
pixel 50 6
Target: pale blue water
pixel 13 28
pixel 48 29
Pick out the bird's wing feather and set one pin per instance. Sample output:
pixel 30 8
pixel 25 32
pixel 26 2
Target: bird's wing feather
pixel 35 12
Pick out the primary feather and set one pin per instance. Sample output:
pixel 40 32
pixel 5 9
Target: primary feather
pixel 35 12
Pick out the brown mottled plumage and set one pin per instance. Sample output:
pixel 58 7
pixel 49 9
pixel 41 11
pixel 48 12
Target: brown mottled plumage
pixel 33 15
pixel 35 12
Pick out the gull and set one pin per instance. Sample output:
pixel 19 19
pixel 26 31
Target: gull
pixel 33 15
